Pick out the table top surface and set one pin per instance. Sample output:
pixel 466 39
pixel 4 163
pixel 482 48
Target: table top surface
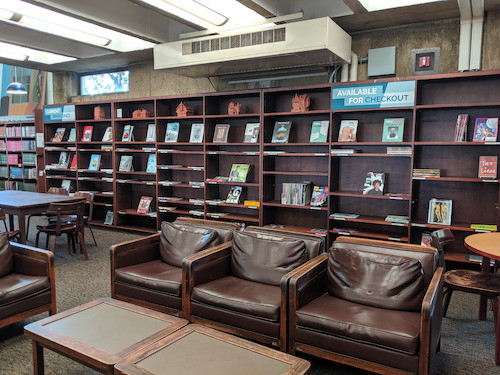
pixel 196 349
pixel 485 244
pixel 20 199
pixel 105 329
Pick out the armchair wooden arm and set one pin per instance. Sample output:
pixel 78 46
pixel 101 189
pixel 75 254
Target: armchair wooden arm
pixel 431 317
pixel 202 267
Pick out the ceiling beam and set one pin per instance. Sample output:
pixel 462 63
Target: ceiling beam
pixel 355 6
pixel 257 8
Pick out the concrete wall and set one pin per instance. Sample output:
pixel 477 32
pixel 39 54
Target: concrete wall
pixel 146 82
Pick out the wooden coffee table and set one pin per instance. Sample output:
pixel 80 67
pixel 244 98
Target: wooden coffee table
pixel 196 349
pixel 99 333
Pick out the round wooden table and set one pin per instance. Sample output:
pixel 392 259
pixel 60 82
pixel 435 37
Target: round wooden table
pixel 487 245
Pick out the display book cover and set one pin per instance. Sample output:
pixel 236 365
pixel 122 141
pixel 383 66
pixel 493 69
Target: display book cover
pixel 108 135
pixel 127 135
pixel 95 161
pixel 73 162
pixel 172 132
pixel 281 131
pixel 374 183
pixel 348 130
pixel 66 184
pixel 393 130
pixel 251 132
pixel 125 163
pixel 234 195
pixel 485 129
pixel 239 173
pixel 151 134
pixel 63 160
pixel 461 128
pixel 196 135
pixel 72 135
pixel 319 131
pixel 439 211
pixel 144 204
pixel 151 166
pixel 319 196
pixel 221 133
pixel 87 133
pixel 488 167
pixel 59 135
pixel 108 220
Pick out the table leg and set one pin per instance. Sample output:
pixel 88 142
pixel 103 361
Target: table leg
pixel 38 365
pixel 483 304
pixel 22 227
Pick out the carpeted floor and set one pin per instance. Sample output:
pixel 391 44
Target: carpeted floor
pixel 467 344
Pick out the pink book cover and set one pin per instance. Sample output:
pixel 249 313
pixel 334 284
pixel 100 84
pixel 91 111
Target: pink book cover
pixel 488 166
pixel 144 204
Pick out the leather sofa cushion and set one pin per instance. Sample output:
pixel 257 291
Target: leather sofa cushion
pixel 224 230
pixel 14 287
pixel 180 241
pixel 379 280
pixel 239 295
pixel 265 260
pixel 6 262
pixel 155 275
pixel 393 329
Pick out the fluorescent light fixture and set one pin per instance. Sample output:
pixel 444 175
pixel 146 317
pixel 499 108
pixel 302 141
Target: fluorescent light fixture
pixel 237 13
pixel 15 52
pixel 374 5
pixel 23 14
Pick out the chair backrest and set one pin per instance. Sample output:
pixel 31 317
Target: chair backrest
pixel 89 199
pixel 58 191
pixel 439 239
pixel 315 244
pixel 224 229
pixel 64 209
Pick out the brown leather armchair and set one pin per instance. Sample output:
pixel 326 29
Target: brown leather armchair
pixel 371 304
pixel 242 287
pixel 27 283
pixel 148 272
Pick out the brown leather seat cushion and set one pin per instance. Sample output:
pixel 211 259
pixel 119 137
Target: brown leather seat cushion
pixel 156 275
pixel 397 330
pixel 244 296
pixel 379 280
pixel 225 230
pixel 14 287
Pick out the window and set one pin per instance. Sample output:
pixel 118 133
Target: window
pixel 104 83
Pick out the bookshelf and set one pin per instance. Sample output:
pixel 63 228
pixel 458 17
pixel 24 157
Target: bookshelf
pixel 184 181
pixel 18 156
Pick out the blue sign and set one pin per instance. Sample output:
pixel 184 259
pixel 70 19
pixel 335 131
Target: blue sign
pixel 375 95
pixel 59 113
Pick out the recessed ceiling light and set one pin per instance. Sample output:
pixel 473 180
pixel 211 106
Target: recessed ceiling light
pixel 374 5
pixel 15 52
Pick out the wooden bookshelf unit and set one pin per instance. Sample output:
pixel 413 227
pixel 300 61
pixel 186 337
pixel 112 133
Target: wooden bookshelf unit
pixel 184 181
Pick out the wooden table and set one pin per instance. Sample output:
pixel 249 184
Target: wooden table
pixel 196 349
pixel 22 203
pixel 99 333
pixel 487 245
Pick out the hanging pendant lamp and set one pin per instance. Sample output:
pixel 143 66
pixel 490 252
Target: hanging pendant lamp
pixel 16 88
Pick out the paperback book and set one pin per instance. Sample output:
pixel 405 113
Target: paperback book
pixel 239 173
pixel 151 167
pixel 340 215
pixel 87 133
pixel 144 205
pixel 348 130
pixel 374 183
pixel 461 128
pixel 488 167
pixel 393 130
pixel 109 218
pixel 439 211
pixel 251 133
pixel 196 133
pixel 72 135
pixel 234 195
pixel 486 129
pixel 127 133
pixel 296 194
pixel 66 184
pixel 172 132
pixel 95 161
pixel 151 134
pixel 108 135
pixel 221 133
pixel 281 132
pixel 126 163
pixel 426 239
pixel 63 160
pixel 59 135
pixel 73 162
pixel 319 196
pixel 319 131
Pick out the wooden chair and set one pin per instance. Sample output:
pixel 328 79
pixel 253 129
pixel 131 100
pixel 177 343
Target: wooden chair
pixel 61 225
pixel 52 190
pixel 469 281
pixel 89 200
pixel 13 234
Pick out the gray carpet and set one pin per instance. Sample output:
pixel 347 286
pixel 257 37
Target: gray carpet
pixel 467 344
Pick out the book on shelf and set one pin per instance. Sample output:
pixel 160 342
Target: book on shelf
pixel 151 134
pixel 239 173
pixel 319 131
pixel 439 211
pixel 217 215
pixel 73 162
pixel 234 195
pixel 66 184
pixel 374 183
pixel 169 199
pixel 218 179
pixel 107 147
pixel 425 172
pixel 393 130
pixel 340 215
pixel 485 227
pixel 346 231
pixel 168 182
pixel 296 193
pixel 398 195
pixel 318 231
pixel 196 135
pixel 126 163
pixel 166 208
pixel 16 172
pixel 127 134
pixel 108 135
pixel 144 205
pixel 108 220
pixel 399 150
pixel 485 129
pixel 59 135
pixel 63 160
pixel 172 132
pixel 251 203
pixel 95 162
pixel 488 166
pixel 426 239
pixel 281 131
pixel 461 128
pixel 72 135
pixel 348 130
pixel 198 202
pixel 87 133
pixel 151 167
pixel 196 212
pixel 107 170
pixel 319 196
pixel 170 166
pixel 251 132
pixel 221 133
pixel 343 151
pixel 397 219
